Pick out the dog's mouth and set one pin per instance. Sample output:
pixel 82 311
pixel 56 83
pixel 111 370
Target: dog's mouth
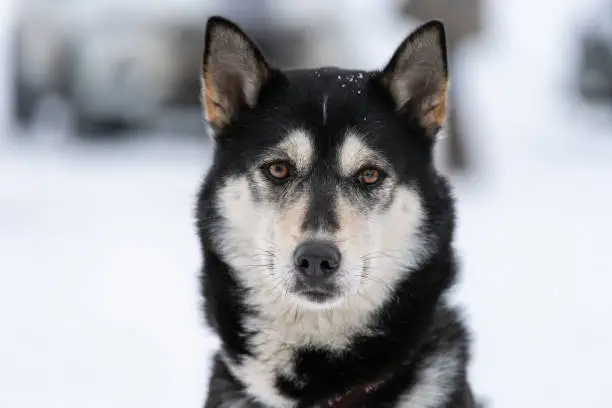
pixel 319 293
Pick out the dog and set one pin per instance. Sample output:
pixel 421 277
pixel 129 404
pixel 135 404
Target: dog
pixel 327 232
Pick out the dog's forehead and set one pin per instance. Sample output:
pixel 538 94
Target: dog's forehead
pixel 331 81
pixel 336 102
pixel 330 102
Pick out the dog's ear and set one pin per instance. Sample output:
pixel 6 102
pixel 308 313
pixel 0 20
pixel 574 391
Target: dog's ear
pixel 417 76
pixel 233 72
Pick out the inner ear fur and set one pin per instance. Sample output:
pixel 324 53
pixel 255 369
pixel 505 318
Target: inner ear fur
pixel 233 72
pixel 417 76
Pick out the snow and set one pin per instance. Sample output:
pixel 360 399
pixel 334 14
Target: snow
pixel 99 279
pixel 99 302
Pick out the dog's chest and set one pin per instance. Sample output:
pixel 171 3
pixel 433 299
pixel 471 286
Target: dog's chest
pixel 275 343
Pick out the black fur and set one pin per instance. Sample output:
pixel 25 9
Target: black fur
pixel 415 322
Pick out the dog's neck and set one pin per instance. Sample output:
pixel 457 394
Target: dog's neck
pixel 352 397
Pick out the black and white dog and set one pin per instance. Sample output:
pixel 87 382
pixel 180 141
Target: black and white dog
pixel 327 232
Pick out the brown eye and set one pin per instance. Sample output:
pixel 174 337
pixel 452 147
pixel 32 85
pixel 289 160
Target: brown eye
pixel 370 176
pixel 279 171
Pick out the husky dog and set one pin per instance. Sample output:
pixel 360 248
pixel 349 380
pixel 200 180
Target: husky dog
pixel 327 232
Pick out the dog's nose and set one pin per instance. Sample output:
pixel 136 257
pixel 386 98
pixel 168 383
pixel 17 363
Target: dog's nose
pixel 317 259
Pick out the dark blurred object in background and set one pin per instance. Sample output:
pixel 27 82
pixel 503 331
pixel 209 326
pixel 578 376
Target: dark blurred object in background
pixel 121 66
pixel 463 20
pixel 595 69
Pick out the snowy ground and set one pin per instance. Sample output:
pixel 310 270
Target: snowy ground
pixel 98 257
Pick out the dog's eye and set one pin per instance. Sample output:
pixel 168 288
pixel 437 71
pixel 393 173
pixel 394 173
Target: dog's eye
pixel 370 176
pixel 278 171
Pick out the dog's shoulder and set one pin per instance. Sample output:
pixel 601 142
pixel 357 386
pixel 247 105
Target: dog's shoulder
pixel 225 391
pixel 438 375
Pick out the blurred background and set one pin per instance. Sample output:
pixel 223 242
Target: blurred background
pixel 103 146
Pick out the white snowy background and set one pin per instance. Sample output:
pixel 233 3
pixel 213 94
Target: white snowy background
pixel 99 301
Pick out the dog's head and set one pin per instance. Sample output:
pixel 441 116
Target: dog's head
pixel 322 188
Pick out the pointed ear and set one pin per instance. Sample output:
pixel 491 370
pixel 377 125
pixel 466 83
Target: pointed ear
pixel 233 72
pixel 417 76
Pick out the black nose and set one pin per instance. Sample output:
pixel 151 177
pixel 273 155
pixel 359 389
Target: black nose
pixel 317 259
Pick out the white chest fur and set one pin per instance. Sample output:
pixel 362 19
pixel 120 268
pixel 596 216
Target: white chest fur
pixel 278 336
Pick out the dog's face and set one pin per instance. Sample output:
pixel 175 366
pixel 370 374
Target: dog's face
pixel 322 187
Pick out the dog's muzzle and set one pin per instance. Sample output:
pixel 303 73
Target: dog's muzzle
pixel 316 262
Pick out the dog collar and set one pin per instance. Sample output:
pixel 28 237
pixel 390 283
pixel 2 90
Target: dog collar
pixel 351 397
